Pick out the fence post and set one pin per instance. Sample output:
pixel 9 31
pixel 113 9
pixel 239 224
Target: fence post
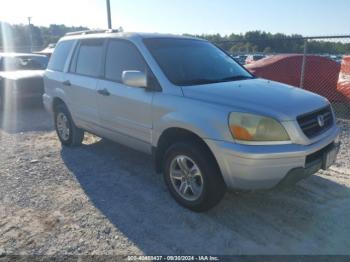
pixel 302 76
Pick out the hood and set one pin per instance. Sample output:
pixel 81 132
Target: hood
pixel 22 74
pixel 259 96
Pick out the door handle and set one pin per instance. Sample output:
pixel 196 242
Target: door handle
pixel 103 92
pixel 66 83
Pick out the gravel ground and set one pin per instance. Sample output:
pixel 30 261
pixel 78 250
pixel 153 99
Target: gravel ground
pixel 103 198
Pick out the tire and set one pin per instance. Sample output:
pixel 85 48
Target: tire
pixel 209 178
pixel 75 135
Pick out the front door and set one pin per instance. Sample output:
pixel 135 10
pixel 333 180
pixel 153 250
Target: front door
pixel 124 110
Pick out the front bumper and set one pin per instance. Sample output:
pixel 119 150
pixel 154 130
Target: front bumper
pixel 249 167
pixel 314 163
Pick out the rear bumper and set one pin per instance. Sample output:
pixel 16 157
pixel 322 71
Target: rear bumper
pixel 29 97
pixel 250 167
pixel 48 103
pixel 18 100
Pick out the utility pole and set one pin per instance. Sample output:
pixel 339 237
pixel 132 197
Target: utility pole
pixel 30 33
pixel 109 19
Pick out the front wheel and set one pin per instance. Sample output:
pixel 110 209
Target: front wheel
pixel 193 177
pixel 67 132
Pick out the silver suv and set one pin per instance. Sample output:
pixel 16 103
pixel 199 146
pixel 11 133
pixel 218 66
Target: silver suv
pixel 208 122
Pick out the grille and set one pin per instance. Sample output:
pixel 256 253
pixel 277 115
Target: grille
pixel 310 125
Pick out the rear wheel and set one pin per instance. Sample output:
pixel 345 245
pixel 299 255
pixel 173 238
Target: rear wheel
pixel 67 132
pixel 193 177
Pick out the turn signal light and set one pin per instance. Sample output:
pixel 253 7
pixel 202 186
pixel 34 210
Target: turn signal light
pixel 240 133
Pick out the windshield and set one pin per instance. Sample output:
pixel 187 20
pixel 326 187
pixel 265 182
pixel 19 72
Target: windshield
pixel 194 62
pixel 23 63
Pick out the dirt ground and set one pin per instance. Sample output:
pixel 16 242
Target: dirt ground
pixel 103 198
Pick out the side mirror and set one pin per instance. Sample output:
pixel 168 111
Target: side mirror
pixel 134 78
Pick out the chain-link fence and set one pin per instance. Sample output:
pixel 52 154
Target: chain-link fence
pixel 317 64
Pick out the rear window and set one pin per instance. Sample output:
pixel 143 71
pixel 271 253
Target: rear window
pixel 23 63
pixel 59 56
pixel 89 57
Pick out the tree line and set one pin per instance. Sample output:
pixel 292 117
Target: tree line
pixel 22 37
pixel 268 43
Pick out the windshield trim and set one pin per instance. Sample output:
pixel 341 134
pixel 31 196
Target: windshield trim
pixel 197 82
pixel 201 81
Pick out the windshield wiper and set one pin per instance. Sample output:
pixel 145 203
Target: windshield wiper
pixel 235 78
pixel 200 81
pixel 203 81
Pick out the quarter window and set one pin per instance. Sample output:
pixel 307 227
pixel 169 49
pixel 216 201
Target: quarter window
pixel 59 56
pixel 122 56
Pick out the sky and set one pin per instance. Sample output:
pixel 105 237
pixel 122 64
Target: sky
pixel 306 17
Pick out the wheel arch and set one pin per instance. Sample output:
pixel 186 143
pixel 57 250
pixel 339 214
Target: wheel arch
pixel 172 135
pixel 57 101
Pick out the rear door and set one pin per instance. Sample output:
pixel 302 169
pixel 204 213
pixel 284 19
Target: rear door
pixel 81 80
pixel 123 109
pixel 54 73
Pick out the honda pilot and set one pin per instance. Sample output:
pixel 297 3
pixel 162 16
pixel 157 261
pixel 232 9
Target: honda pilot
pixel 209 123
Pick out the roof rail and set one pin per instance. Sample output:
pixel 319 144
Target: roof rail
pixel 87 32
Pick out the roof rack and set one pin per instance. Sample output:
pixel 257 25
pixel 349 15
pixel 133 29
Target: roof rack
pixel 87 32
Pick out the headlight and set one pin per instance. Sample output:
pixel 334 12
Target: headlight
pixel 255 128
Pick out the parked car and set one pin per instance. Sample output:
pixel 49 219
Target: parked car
pixel 21 61
pixel 343 85
pixel 47 51
pixel 339 59
pixel 320 76
pixel 253 58
pixel 21 79
pixel 336 58
pixel 240 59
pixel 207 121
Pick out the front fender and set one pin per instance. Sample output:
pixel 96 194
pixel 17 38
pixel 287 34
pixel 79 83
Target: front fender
pixel 206 120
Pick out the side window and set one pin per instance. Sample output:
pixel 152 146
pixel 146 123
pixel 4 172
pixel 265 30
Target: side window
pixel 122 56
pixel 89 57
pixel 59 56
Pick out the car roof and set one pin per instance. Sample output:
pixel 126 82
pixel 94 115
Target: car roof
pixel 122 35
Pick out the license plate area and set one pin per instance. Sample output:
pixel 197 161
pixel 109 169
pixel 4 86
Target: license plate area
pixel 325 157
pixel 330 156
